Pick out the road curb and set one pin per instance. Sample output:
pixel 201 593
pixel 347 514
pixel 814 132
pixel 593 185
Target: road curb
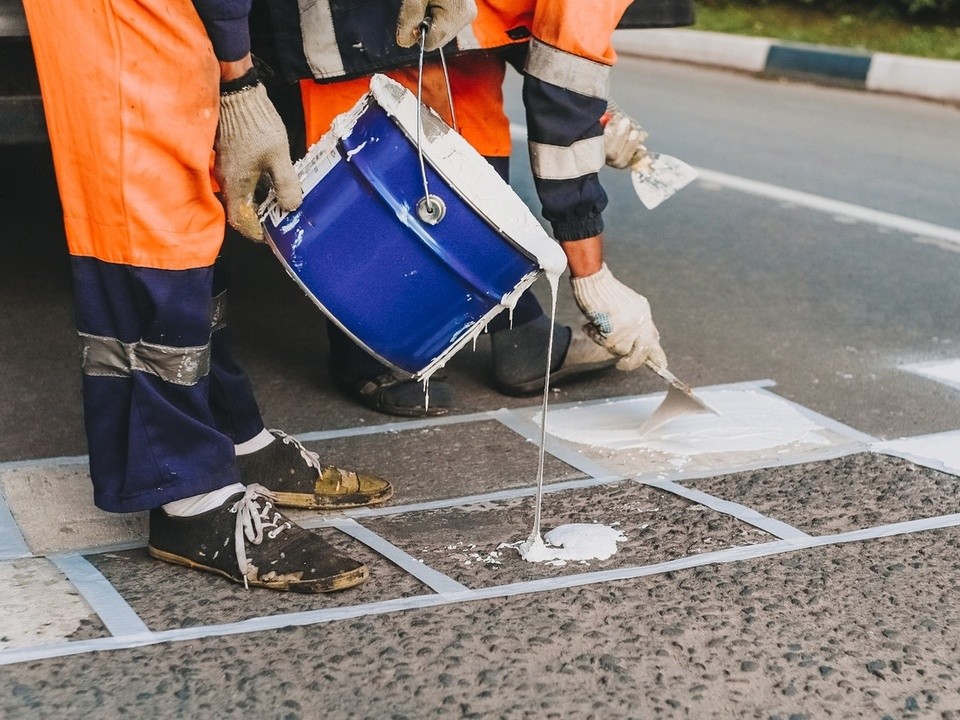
pixel 881 72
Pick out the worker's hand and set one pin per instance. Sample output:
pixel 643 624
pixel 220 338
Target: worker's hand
pixel 623 140
pixel 620 319
pixel 449 17
pixel 252 141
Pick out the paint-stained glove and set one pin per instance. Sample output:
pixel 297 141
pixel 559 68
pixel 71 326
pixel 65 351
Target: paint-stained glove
pixel 623 140
pixel 449 18
pixel 252 141
pixel 620 319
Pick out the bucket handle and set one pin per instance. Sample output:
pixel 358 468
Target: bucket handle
pixel 431 208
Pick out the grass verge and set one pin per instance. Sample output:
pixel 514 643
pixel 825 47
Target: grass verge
pixel 860 30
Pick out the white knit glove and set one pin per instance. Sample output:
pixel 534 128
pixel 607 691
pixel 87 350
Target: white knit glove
pixel 449 17
pixel 620 319
pixel 251 141
pixel 623 140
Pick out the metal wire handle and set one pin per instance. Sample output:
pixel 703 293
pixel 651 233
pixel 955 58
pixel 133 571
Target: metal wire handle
pixel 431 208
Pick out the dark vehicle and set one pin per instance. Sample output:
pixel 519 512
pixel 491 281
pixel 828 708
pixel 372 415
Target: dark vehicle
pixel 21 112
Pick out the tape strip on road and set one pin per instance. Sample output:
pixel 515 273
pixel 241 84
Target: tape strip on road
pixel 12 544
pixel 115 612
pixel 433 579
pixel 729 555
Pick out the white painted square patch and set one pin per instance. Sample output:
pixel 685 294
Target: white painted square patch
pixel 755 428
pixel 940 451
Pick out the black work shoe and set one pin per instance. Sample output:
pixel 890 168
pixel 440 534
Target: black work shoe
pixel 249 541
pixel 391 395
pixel 519 357
pixel 296 477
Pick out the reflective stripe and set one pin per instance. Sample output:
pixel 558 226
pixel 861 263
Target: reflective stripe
pixel 467 40
pixel 218 315
pixel 319 40
pixel 108 357
pixel 567 70
pixel 554 162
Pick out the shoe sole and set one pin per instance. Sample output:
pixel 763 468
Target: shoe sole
pixel 343 581
pixel 532 387
pixel 307 501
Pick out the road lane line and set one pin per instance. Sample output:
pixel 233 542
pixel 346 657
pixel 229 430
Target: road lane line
pixel 907 225
pixel 911 226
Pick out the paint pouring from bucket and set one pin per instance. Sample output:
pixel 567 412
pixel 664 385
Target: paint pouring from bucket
pixel 408 283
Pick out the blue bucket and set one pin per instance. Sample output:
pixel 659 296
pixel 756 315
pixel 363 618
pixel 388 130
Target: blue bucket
pixel 412 291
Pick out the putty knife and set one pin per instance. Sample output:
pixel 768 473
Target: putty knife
pixel 661 178
pixel 680 400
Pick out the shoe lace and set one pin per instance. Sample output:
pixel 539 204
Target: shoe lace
pixel 309 457
pixel 256 517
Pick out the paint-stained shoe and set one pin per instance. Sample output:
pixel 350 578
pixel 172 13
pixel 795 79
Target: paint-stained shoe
pixel 297 478
pixel 391 395
pixel 519 357
pixel 249 541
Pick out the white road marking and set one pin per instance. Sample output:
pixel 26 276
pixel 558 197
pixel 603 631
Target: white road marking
pixel 940 451
pixel 944 371
pixel 921 230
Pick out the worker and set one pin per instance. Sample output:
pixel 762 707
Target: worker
pixel 565 93
pixel 137 93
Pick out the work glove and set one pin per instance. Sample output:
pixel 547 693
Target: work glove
pixel 252 141
pixel 623 140
pixel 619 319
pixel 448 18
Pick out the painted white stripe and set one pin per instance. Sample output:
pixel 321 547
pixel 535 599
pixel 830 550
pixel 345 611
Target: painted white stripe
pixel 907 225
pixel 116 614
pixel 729 555
pixel 919 228
pixel 939 451
pixel 12 544
pixel 943 371
pixel 433 579
pixel 750 516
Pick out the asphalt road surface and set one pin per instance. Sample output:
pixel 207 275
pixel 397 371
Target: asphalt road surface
pixel 823 585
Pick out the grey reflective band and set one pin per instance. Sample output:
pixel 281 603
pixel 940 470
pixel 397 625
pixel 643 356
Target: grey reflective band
pixel 571 72
pixel 108 357
pixel 218 314
pixel 467 40
pixel 554 162
pixel 319 40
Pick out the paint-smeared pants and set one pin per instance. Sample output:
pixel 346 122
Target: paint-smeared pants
pixel 130 90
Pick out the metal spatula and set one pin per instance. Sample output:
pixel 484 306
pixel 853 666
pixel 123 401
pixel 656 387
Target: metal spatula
pixel 664 176
pixel 680 400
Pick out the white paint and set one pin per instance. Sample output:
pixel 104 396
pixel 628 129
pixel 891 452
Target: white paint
pixel 940 451
pixel 38 605
pixel 947 371
pixel 574 542
pixel 749 421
